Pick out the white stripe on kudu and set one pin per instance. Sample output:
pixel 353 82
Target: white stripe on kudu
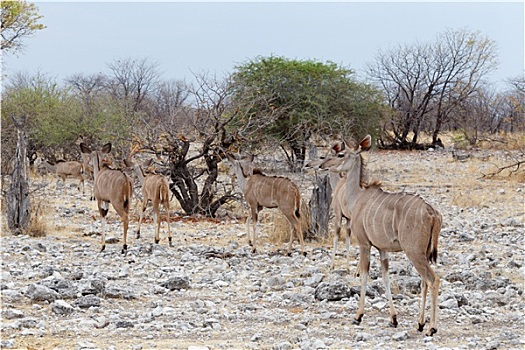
pixel 414 228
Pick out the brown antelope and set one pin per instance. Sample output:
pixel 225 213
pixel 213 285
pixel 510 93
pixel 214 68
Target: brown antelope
pixel 87 164
pixel 261 191
pixel 110 186
pixel 391 222
pixel 155 188
pixel 339 214
pixel 64 169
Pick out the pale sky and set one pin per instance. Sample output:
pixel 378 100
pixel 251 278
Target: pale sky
pixel 186 37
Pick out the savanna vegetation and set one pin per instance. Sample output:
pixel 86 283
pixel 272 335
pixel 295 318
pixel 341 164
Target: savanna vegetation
pixel 412 95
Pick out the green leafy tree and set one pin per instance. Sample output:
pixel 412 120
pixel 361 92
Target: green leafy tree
pixel 19 19
pixel 290 100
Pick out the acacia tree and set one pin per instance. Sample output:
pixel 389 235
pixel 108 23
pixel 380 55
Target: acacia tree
pixel 19 19
pixel 425 83
pixel 289 100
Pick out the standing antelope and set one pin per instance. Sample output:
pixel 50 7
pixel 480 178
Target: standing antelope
pixel 337 205
pixel 391 222
pixel 261 191
pixel 64 169
pixel 110 186
pixel 155 188
pixel 87 164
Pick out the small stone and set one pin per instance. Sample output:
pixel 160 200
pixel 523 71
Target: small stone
pixel 61 307
pixel 400 336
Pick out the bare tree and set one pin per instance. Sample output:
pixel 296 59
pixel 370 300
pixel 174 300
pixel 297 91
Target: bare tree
pixel 132 80
pixel 18 200
pixel 425 83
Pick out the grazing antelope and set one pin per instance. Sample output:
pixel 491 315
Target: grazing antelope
pixel 64 169
pixel 261 191
pixel 155 188
pixel 110 186
pixel 337 206
pixel 390 222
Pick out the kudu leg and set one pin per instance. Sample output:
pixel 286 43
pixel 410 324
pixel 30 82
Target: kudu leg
pixel 347 241
pixel 336 239
pixel 167 208
pixel 386 279
pixel 299 231
pixel 156 220
pixel 125 221
pixel 143 209
pixel 254 219
pixel 424 289
pixel 103 208
pixel 431 280
pixel 364 267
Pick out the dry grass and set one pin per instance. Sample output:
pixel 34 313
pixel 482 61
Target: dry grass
pixel 280 232
pixel 38 226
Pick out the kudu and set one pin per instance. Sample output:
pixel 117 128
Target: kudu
pixel 64 169
pixel 87 164
pixel 110 186
pixel 390 222
pixel 261 191
pixel 155 189
pixel 337 206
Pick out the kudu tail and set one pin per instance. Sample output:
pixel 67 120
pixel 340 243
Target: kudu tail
pixel 298 204
pixel 127 197
pixel 435 229
pixel 165 192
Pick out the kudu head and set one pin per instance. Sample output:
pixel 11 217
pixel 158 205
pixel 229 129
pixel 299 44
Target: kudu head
pixel 96 157
pixel 347 158
pixel 241 165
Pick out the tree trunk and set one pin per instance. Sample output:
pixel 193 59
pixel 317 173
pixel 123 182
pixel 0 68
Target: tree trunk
pixel 319 207
pixel 18 213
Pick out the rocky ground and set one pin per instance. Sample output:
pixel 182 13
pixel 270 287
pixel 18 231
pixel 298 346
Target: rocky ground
pixel 209 291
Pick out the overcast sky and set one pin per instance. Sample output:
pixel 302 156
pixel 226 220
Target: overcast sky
pixel 186 37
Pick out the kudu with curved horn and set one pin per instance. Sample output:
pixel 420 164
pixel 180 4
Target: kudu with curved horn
pixel 390 222
pixel 110 186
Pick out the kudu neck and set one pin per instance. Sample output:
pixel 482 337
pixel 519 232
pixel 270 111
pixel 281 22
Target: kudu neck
pixel 140 174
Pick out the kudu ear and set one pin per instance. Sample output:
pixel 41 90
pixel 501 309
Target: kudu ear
pixel 106 148
pixel 84 148
pixel 128 163
pixel 365 144
pixel 339 147
pixel 146 164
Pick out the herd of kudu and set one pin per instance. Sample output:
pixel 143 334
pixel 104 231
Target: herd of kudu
pixel 390 222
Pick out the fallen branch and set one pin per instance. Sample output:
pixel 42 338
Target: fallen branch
pixel 503 168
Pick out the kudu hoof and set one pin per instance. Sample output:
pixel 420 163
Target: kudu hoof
pixel 420 327
pixel 431 332
pixel 103 247
pixel 171 244
pixel 357 321
pixel 125 249
pixel 157 241
pixel 393 322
